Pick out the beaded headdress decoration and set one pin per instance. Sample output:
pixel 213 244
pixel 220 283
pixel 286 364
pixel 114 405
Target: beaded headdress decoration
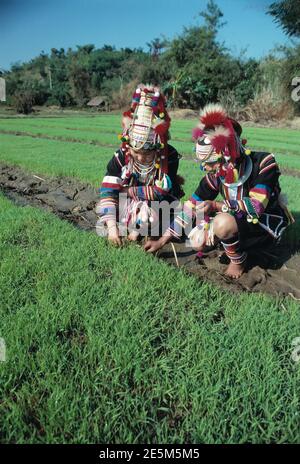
pixel 218 139
pixel 146 125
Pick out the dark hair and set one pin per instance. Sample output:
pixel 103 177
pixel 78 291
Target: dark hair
pixel 237 127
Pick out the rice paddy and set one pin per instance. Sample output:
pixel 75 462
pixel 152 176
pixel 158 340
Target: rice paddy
pixel 108 345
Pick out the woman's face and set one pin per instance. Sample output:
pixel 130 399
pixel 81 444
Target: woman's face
pixel 143 156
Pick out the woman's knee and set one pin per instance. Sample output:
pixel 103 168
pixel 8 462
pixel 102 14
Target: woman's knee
pixel 224 226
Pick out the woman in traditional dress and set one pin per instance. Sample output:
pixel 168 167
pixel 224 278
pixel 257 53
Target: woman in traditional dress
pixel 142 172
pixel 252 212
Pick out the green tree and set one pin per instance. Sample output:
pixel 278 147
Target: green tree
pixel 193 69
pixel 286 13
pixel 60 92
pixel 28 93
pixel 156 47
pixel 213 17
pixel 201 67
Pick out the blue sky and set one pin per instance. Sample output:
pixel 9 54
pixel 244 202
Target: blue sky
pixel 29 26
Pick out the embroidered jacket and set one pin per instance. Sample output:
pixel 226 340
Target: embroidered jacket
pixel 257 197
pixel 118 179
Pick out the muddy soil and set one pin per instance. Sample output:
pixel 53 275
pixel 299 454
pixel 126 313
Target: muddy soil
pixel 65 197
pixel 274 271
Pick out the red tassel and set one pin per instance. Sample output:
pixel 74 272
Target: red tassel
pixel 236 126
pixel 164 161
pixel 221 172
pixel 161 106
pixel 229 178
pixel 219 143
pixel 162 129
pixel 232 146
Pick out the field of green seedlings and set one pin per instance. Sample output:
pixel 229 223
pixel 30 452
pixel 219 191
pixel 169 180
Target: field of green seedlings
pixel 108 345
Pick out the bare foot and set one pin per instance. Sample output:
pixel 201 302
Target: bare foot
pixel 133 236
pixel 235 270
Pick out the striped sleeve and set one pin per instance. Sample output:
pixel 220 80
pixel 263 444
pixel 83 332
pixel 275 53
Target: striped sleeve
pixel 110 189
pixel 261 190
pixel 267 164
pixel 208 189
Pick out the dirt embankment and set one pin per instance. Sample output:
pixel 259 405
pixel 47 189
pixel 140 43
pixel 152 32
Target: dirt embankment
pixel 65 197
pixel 275 271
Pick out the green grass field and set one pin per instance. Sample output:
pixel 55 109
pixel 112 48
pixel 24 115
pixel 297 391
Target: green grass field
pixel 114 346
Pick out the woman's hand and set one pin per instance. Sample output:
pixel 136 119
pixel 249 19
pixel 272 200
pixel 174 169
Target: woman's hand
pixel 151 246
pixel 113 236
pixel 208 206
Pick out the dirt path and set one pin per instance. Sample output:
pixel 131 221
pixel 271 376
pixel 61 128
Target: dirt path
pixel 275 272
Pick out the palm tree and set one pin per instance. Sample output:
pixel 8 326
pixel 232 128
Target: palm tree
pixel 156 46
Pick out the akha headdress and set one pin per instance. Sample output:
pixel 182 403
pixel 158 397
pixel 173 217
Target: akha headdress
pixel 218 139
pixel 146 124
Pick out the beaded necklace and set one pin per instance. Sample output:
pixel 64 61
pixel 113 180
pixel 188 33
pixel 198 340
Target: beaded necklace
pixel 143 169
pixel 144 172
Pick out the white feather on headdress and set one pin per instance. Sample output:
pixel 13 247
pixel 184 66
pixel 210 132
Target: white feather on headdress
pixel 219 131
pixel 213 108
pixel 213 115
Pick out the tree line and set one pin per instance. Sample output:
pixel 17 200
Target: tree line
pixel 193 68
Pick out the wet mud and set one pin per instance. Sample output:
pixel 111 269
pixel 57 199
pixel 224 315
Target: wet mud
pixel 274 271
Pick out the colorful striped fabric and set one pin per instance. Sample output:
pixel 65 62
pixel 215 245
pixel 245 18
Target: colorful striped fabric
pixel 233 251
pixel 121 177
pixel 213 182
pixel 255 203
pixel 186 216
pixel 109 192
pixel 147 192
pixel 182 219
pixel 208 189
pixel 252 200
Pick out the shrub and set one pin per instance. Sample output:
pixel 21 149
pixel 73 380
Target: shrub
pixel 266 106
pixel 24 101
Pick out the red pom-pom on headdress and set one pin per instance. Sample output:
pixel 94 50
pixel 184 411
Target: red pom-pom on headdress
pixel 220 129
pixel 229 177
pixel 220 138
pixel 162 128
pixel 213 115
